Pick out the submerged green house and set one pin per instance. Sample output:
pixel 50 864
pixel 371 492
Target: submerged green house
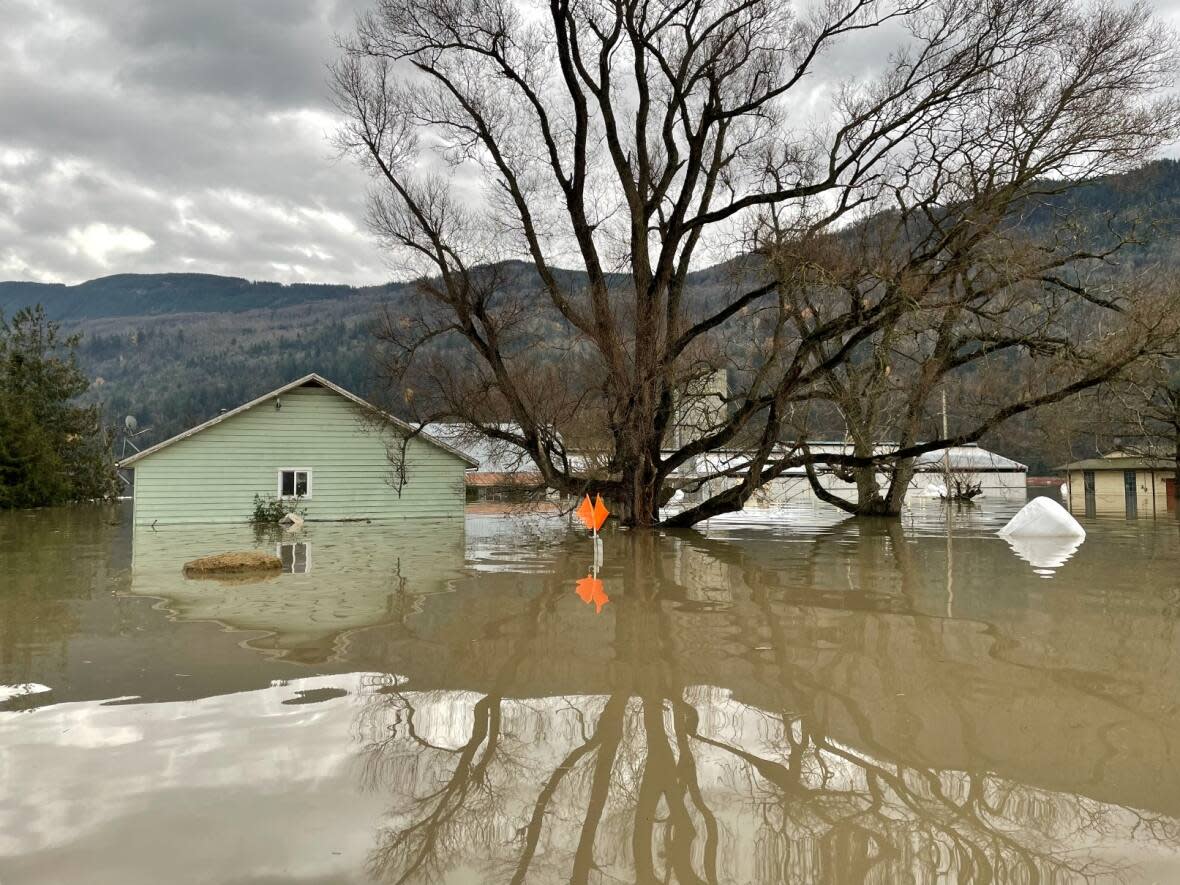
pixel 311 440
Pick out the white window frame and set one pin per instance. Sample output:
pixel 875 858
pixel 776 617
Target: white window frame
pixel 279 483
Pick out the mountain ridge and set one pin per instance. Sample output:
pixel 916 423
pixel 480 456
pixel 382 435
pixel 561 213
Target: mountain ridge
pixel 174 348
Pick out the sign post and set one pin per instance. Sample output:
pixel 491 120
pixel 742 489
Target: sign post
pixel 593 515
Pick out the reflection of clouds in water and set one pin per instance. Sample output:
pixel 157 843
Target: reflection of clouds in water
pixel 182 781
pixel 463 772
pixel 1045 555
pixel 21 690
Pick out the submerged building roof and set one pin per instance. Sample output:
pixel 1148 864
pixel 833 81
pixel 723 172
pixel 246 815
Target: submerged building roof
pixel 490 455
pixel 964 459
pixel 309 380
pixel 971 458
pixel 1119 462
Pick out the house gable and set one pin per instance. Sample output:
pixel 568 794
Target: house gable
pixel 211 474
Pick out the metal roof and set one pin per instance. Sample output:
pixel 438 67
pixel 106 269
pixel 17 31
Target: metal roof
pixel 490 455
pixel 967 459
pixel 971 458
pixel 311 379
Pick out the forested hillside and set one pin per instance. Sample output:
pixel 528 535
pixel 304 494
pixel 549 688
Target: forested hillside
pixel 173 349
pixel 156 294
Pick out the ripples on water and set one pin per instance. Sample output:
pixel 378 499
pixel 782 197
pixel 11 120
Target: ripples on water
pixel 787 696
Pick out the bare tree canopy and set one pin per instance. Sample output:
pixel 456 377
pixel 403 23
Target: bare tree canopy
pixel 639 142
pixel 1139 414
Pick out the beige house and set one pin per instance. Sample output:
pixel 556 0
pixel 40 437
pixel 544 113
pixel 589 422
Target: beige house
pixel 1120 484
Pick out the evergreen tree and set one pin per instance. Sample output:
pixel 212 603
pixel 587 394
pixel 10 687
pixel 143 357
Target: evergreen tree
pixel 52 451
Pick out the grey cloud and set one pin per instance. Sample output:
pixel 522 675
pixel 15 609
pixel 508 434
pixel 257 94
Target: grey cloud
pixel 200 124
pixel 271 51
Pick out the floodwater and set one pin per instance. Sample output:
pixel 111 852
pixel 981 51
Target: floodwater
pixel 790 697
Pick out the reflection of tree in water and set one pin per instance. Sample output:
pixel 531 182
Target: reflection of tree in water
pixel 662 780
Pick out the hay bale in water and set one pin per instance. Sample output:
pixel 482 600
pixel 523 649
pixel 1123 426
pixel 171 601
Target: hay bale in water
pixel 241 562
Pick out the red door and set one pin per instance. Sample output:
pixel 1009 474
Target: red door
pixel 1170 493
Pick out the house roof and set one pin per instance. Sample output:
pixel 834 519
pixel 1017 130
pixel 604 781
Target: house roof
pixel 309 380
pixel 1118 462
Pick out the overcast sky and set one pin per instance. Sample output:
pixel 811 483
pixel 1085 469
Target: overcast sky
pixel 173 135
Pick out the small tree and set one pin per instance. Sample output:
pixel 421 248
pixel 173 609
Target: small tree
pixel 52 451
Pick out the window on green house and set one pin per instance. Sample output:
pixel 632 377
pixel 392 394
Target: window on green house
pixel 295 482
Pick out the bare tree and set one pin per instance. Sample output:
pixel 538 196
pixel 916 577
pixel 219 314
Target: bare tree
pixel 637 141
pixel 998 320
pixel 1139 414
pixel 1152 404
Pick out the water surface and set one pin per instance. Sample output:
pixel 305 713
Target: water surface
pixel 781 697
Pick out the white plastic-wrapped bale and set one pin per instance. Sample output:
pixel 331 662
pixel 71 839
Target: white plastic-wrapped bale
pixel 1043 518
pixel 1043 534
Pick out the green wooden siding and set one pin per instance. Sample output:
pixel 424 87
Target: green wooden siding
pixel 214 475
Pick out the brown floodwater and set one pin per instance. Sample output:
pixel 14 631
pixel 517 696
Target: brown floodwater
pixel 783 697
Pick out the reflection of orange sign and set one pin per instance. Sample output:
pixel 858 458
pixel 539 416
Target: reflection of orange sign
pixel 592 515
pixel 590 590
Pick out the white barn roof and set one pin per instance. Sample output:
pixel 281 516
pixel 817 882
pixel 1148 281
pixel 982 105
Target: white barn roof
pixel 971 458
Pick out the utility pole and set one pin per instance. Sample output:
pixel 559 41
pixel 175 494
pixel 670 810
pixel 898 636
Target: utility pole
pixel 946 480
pixel 946 452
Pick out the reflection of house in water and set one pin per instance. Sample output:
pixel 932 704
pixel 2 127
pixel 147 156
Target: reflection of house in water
pixel 295 556
pixel 363 575
pixel 1120 484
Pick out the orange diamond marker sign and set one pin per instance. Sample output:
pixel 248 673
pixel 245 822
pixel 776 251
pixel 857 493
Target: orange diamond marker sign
pixel 592 515
pixel 590 590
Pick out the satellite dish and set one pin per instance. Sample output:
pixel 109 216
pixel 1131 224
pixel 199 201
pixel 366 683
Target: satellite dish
pixel 131 424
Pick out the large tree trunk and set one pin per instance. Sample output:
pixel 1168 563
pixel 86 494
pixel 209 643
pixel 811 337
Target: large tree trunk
pixel 868 491
pixel 639 499
pixel 870 501
pixel 899 484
